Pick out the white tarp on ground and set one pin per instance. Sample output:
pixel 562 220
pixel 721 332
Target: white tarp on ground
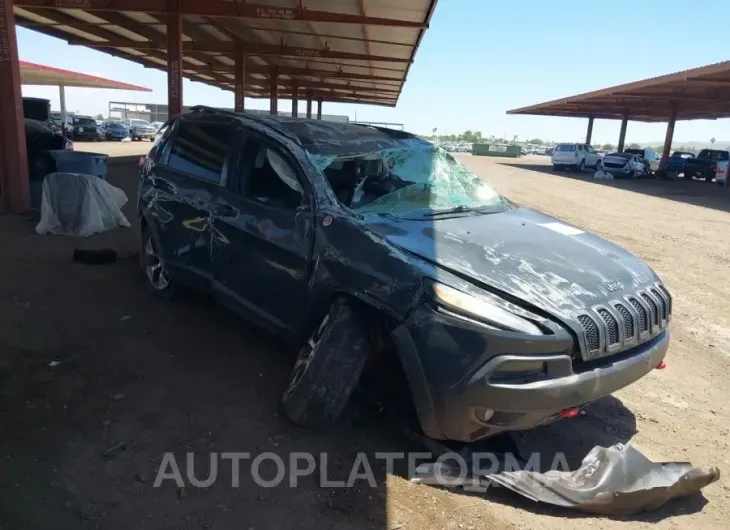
pixel 80 205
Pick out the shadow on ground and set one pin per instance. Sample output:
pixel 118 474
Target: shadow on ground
pixel 696 192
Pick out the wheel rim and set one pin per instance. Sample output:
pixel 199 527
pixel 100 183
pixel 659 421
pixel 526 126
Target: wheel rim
pixel 156 273
pixel 306 354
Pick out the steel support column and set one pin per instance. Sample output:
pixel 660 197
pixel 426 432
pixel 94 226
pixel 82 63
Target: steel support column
pixel 589 132
pixel 668 138
pixel 622 134
pixel 240 81
pixel 174 59
pixel 64 114
pixel 309 106
pixel 295 100
pixel 14 185
pixel 274 95
pixel 319 109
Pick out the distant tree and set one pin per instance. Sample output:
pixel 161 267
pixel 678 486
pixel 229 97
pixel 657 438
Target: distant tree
pixel 99 116
pixel 607 147
pixel 634 146
pixel 536 141
pixel 712 140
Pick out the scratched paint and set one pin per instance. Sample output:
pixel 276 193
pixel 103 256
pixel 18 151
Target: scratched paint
pixel 281 268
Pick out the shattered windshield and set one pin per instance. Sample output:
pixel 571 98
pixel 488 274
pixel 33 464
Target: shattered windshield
pixel 412 180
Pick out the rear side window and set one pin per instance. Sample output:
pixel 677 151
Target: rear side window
pixel 268 177
pixel 201 148
pixel 565 147
pixel 720 156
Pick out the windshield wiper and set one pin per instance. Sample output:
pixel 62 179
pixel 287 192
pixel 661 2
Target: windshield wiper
pixel 456 209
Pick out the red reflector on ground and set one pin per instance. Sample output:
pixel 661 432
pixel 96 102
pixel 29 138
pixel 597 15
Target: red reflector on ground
pixel 569 413
pixel 661 366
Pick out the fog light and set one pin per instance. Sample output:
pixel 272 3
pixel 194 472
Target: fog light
pixel 484 415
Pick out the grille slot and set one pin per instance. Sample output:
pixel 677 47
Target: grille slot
pixel 662 303
pixel 653 309
pixel 668 297
pixel 628 321
pixel 611 326
pixel 643 317
pixel 591 331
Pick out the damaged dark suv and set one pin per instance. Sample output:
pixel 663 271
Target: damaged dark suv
pixel 350 239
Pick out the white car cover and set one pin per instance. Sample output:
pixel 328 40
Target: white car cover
pixel 74 204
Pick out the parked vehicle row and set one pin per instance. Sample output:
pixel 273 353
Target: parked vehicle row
pixel 708 165
pixel 343 242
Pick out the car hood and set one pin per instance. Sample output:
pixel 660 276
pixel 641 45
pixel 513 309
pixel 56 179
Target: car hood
pixel 553 266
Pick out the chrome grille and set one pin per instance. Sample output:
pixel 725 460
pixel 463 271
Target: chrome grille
pixel 653 309
pixel 628 321
pixel 643 317
pixel 591 329
pixel 611 326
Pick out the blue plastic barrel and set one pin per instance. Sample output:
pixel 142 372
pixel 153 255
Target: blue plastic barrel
pixel 80 162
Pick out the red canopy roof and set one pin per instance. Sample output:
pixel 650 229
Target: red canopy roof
pixel 38 74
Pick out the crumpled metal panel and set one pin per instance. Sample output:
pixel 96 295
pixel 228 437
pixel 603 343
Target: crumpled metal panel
pixel 617 480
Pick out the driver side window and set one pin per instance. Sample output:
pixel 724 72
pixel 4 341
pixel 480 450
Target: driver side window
pixel 268 177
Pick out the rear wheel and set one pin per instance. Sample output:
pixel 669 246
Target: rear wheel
pixel 709 177
pixel 327 369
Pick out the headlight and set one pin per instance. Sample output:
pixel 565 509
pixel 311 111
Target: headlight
pixel 481 309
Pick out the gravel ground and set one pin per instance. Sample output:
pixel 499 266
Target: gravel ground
pixel 82 440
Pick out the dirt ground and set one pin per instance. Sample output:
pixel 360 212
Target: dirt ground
pixel 81 441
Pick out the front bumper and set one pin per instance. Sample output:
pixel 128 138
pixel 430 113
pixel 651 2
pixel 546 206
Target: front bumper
pixel 144 134
pixel 515 382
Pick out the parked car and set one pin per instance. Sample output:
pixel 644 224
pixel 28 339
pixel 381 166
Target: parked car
pixel 39 139
pixel 649 156
pixel 114 130
pixel 575 156
pixel 709 164
pixel 340 238
pixel 83 128
pixel 140 129
pixel 677 163
pixel 624 165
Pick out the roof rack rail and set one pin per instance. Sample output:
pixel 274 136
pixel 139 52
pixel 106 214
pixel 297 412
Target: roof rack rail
pixel 395 133
pixel 263 120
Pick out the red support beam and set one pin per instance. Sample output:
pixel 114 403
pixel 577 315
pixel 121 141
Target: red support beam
pixel 274 96
pixel 174 59
pixel 229 47
pixel 589 132
pixel 295 100
pixel 319 109
pixel 14 184
pixel 309 106
pixel 622 133
pixel 240 87
pixel 220 8
pixel 668 138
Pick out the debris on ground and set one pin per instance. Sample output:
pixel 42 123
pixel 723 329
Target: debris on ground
pixel 74 204
pixel 101 256
pixel 617 480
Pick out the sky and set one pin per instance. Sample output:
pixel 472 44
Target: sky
pixel 478 60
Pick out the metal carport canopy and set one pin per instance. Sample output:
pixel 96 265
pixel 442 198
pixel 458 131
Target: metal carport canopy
pixel 698 93
pixel 355 51
pixel 38 74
